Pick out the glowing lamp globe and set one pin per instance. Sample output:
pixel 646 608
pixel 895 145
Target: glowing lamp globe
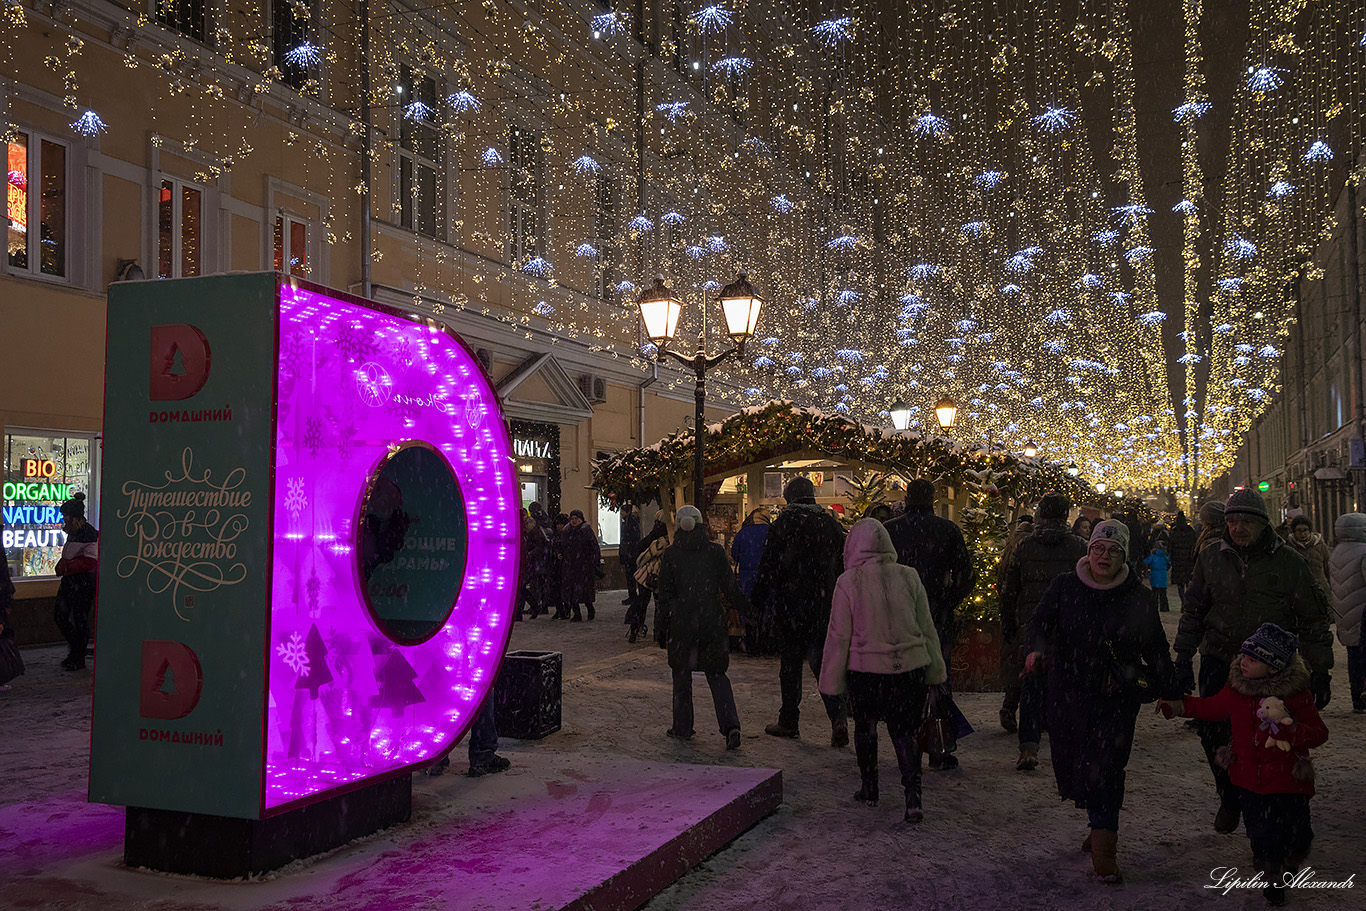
pixel 1100 487
pixel 741 305
pixel 1073 470
pixel 1031 449
pixel 946 411
pixel 901 414
pixel 659 312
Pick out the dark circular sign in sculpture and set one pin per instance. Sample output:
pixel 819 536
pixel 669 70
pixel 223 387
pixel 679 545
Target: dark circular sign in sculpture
pixel 411 543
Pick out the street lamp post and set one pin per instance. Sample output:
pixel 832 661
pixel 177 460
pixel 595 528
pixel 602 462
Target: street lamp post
pixel 659 312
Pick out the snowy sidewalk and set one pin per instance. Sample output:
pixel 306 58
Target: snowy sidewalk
pixel 992 837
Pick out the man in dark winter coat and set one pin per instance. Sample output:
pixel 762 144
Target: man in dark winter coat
pixel 693 575
pixel 935 549
pixel 1051 551
pixel 581 559
pixel 629 549
pixel 803 557
pixel 1248 578
pixel 1181 551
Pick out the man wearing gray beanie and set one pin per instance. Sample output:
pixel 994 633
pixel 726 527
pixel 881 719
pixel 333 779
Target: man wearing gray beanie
pixel 1246 578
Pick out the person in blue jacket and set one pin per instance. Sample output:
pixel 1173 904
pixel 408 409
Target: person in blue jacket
pixel 746 550
pixel 1158 564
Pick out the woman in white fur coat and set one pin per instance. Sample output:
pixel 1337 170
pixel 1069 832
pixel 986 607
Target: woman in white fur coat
pixel 1347 571
pixel 882 648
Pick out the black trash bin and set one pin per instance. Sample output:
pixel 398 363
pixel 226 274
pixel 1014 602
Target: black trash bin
pixel 526 698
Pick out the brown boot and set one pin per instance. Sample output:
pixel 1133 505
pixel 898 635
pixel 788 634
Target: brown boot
pixel 1103 844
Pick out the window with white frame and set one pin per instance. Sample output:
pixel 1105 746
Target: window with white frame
pixel 526 217
pixel 291 245
pixel 605 235
pixel 186 17
pixel 419 154
pixel 36 204
pixel 180 229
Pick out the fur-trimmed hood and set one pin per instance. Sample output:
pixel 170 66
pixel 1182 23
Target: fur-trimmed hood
pixel 1293 679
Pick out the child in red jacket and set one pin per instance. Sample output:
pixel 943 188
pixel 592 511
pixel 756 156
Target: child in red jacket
pixel 1275 725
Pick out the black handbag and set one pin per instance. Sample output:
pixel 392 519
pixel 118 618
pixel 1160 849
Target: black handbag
pixel 1134 678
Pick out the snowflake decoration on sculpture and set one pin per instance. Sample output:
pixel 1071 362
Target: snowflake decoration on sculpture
pixel 462 102
pixel 712 19
pixel 585 165
pixel 732 67
pixel 831 32
pixel 294 653
pixel 1263 79
pixel 1054 120
pixel 304 55
pixel 88 124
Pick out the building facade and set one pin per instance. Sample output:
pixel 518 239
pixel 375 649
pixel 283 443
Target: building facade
pixel 515 168
pixel 1305 453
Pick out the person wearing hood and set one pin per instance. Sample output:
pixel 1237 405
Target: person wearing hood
pixel 1347 570
pixel 1052 550
pixel 1310 546
pixel 1091 627
pixel 881 648
pixel 1248 578
pixel 1275 725
pixel 802 558
pixel 1181 552
pixel 694 574
pixel 934 547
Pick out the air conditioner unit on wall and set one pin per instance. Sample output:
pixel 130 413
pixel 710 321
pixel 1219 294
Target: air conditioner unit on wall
pixel 594 388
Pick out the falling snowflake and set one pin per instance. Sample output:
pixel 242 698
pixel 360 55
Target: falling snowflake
pixel 295 500
pixel 463 102
pixel 732 67
pixel 294 654
pixel 780 203
pixel 306 54
pixel 88 124
pixel 832 31
pixel 712 19
pixel 1054 120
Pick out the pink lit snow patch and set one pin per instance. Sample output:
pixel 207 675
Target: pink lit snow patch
pixel 394 500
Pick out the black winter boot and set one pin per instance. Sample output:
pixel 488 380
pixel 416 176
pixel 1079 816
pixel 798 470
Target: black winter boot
pixel 865 750
pixel 907 749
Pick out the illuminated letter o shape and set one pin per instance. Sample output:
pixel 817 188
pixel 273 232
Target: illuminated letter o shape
pixel 396 542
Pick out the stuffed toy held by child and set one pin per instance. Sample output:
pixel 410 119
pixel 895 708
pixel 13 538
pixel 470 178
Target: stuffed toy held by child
pixel 1273 716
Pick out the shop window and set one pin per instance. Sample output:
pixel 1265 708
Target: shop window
pixel 291 245
pixel 419 154
pixel 36 204
pixel 526 218
pixel 185 17
pixel 42 469
pixel 180 229
pixel 609 526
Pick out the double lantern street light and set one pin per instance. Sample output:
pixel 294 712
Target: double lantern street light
pixel 659 313
pixel 945 411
